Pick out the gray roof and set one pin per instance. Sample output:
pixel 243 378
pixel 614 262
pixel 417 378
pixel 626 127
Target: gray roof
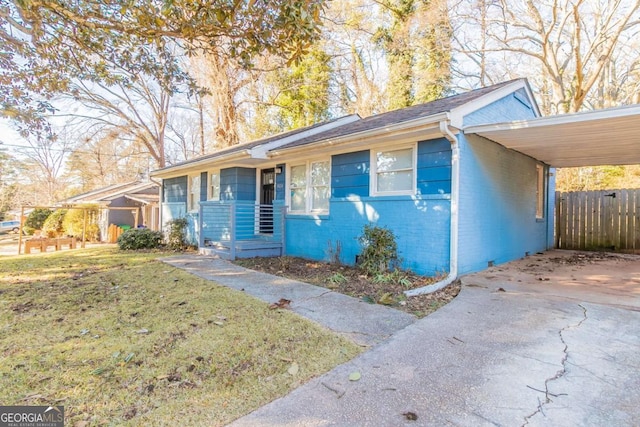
pixel 401 115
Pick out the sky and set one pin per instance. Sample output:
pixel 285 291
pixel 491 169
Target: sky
pixel 8 136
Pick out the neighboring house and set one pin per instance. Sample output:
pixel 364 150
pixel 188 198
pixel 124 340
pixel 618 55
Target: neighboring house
pixel 457 203
pixel 122 204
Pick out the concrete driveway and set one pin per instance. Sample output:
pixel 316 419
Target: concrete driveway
pixel 550 340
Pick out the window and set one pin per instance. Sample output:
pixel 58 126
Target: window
pixel 214 185
pixel 540 192
pixel 194 193
pixel 309 185
pixel 394 172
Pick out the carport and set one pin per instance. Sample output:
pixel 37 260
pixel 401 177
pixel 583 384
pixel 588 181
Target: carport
pixel 590 138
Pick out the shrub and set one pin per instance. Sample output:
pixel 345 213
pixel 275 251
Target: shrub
pixel 139 238
pixel 379 250
pixel 177 238
pixel 52 226
pixel 74 221
pixel 36 218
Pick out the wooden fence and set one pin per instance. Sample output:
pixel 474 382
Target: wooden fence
pixel 598 220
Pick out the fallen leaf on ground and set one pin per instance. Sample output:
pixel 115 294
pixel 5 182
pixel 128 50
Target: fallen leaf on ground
pixel 387 299
pixel 354 376
pixel 282 303
pixel 293 369
pixel 411 416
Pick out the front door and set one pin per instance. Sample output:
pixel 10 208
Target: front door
pixel 267 194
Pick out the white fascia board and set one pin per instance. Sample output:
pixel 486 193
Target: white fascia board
pixel 261 151
pixel 458 113
pixel 135 199
pixel 369 136
pixel 92 193
pixel 561 119
pixel 171 172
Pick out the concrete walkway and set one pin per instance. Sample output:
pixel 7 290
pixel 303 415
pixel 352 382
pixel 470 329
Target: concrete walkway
pixel 366 324
pixel 538 342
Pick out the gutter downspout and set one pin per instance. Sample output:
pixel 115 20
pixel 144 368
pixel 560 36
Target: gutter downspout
pixel 455 197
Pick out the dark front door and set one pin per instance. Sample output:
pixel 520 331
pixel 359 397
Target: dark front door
pixel 267 194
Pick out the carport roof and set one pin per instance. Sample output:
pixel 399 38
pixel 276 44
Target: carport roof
pixel 591 138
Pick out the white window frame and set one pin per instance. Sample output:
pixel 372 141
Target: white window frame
pixel 540 191
pixel 373 190
pixel 210 174
pixel 193 197
pixel 308 187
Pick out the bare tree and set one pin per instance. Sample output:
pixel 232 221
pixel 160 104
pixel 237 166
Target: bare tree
pixel 358 64
pixel 568 48
pixel 105 158
pixel 42 168
pixel 138 112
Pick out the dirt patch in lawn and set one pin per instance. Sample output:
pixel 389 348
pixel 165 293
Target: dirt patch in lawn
pixel 386 289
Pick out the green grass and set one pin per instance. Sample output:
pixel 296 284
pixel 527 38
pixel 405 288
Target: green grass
pixel 119 338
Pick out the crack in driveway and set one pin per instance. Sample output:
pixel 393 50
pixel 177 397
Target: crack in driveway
pixel 562 372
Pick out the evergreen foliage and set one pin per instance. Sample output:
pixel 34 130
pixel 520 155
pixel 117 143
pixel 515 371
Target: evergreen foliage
pixel 35 220
pixel 53 225
pixel 139 238
pixel 379 250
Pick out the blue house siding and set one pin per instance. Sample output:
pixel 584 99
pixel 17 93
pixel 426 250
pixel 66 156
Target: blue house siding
pixel 350 174
pixel 421 223
pixel 551 203
pixel 421 226
pixel 174 190
pixel 434 167
pixel 238 184
pixel 497 219
pixel 512 107
pixel 204 186
pixel 281 179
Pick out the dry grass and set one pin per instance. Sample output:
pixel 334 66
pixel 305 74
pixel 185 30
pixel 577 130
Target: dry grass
pixel 122 339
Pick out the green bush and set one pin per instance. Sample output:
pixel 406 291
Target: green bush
pixel 36 219
pixel 379 250
pixel 52 226
pixel 177 238
pixel 139 238
pixel 28 230
pixel 74 221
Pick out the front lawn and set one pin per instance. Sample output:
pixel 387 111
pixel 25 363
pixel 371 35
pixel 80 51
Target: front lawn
pixel 119 338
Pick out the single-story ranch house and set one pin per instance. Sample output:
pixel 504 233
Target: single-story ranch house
pixel 122 204
pixel 456 202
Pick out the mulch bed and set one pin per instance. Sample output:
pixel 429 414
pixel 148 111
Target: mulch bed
pixel 354 282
